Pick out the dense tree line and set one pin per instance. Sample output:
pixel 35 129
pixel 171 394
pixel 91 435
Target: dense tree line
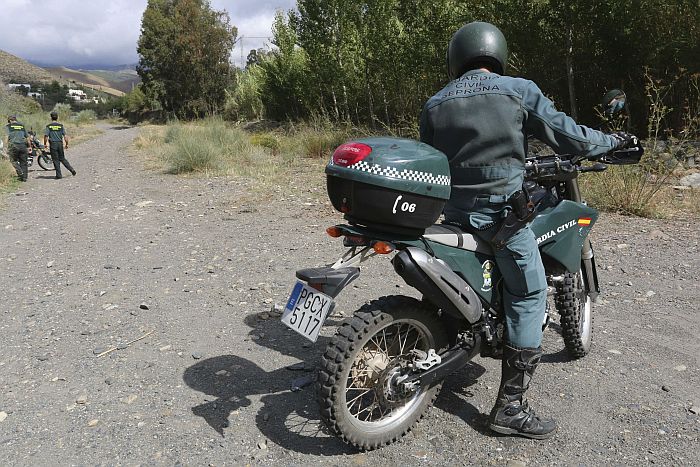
pixel 376 61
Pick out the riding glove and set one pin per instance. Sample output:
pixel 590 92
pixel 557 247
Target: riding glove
pixel 625 140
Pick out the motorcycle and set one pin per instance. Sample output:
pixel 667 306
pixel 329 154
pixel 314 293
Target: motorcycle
pixel 384 368
pixel 43 156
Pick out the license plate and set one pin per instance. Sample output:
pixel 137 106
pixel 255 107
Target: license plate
pixel 306 310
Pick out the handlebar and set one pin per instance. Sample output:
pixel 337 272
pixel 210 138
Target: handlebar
pixel 562 167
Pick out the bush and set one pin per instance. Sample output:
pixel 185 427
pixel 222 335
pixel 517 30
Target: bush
pixel 149 139
pixel 201 147
pixel 188 154
pixel 63 110
pixel 85 116
pixel 7 174
pixel 266 140
pixel 638 189
pixel 213 146
pixel 244 103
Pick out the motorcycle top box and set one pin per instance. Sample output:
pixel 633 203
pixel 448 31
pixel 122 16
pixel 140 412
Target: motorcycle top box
pixel 392 184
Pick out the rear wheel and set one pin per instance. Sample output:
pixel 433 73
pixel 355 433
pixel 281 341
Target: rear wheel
pixel 45 161
pixel 359 391
pixel 574 307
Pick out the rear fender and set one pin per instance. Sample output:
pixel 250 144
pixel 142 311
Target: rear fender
pixel 328 280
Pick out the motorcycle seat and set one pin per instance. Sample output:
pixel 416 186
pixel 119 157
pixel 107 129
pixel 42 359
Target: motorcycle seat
pixel 454 236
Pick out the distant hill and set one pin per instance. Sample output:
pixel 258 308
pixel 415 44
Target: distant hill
pixel 88 79
pixel 123 79
pixel 14 69
pixel 114 80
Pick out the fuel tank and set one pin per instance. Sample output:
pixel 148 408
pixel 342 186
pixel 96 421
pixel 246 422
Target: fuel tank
pixel 561 231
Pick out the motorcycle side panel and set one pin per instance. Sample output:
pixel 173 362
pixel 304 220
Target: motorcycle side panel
pixel 561 231
pixel 478 269
pixel 461 298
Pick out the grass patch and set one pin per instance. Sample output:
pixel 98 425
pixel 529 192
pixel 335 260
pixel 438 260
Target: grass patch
pixel 8 176
pixel 209 147
pixel 85 116
pixel 215 147
pixel 149 145
pixel 646 189
pixel 83 133
pixel 623 189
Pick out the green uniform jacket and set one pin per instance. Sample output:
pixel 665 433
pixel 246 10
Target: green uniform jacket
pixel 17 133
pixel 481 121
pixel 55 131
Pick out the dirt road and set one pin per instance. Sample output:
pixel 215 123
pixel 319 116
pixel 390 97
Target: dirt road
pixel 92 262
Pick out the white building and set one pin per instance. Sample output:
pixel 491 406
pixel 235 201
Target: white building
pixel 77 94
pixel 13 86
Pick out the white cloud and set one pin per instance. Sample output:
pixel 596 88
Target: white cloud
pixel 76 32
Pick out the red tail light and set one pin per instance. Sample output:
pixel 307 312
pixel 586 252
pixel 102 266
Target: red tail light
pixel 350 153
pixel 334 231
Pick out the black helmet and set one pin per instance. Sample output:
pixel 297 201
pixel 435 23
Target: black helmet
pixel 475 43
pixel 54 114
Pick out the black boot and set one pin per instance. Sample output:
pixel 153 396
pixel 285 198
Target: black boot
pixel 69 167
pixel 512 415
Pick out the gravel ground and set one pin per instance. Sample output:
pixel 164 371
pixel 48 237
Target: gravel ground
pixel 93 262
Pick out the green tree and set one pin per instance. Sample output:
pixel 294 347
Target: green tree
pixel 243 101
pixel 377 61
pixel 255 57
pixel 184 53
pixel 285 87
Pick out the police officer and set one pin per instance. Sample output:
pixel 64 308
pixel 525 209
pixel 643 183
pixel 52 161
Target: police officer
pixel 481 121
pixel 55 137
pixel 18 146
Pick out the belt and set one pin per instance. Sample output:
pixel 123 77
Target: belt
pixel 496 199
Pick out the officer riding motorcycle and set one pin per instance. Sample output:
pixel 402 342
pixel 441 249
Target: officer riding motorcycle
pixel 481 120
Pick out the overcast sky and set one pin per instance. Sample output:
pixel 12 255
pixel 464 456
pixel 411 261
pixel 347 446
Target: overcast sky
pixel 84 32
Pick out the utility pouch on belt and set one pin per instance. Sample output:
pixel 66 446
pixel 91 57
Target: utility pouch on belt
pixel 522 211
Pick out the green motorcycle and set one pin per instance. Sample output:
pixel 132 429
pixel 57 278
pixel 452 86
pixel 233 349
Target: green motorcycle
pixel 384 368
pixel 43 155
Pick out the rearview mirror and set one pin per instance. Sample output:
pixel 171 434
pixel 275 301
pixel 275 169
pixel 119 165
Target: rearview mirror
pixel 613 102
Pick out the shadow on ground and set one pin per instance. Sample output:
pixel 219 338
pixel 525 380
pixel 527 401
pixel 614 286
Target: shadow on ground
pixel 286 418
pixel 290 418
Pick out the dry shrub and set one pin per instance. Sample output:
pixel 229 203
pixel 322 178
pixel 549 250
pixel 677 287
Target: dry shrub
pixel 645 189
pixel 212 146
pixel 8 176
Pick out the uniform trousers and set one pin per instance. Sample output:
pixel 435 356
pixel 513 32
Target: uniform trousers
pixel 18 157
pixel 520 265
pixel 58 157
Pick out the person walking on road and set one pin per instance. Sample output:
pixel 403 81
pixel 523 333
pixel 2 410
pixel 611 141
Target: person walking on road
pixel 55 137
pixel 18 146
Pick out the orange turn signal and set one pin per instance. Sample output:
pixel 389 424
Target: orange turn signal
pixel 334 232
pixel 383 248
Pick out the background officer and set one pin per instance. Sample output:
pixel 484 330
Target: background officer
pixel 56 136
pixel 481 120
pixel 18 146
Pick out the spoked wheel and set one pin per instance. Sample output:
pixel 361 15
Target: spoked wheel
pixel 45 162
pixel 574 307
pixel 359 388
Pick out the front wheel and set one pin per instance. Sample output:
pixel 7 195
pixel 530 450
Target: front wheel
pixel 359 391
pixel 45 161
pixel 574 307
